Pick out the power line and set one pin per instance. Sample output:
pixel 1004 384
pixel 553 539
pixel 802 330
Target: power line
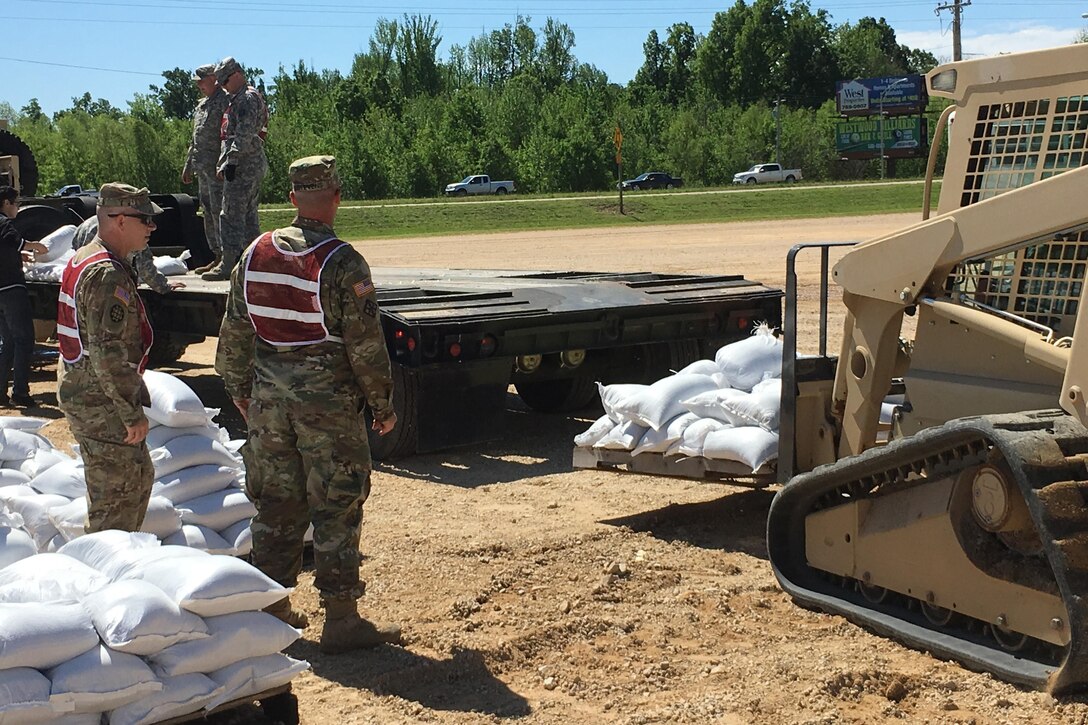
pixel 956 6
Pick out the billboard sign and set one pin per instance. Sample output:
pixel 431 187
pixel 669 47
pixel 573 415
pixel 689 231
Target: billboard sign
pixel 897 95
pixel 904 137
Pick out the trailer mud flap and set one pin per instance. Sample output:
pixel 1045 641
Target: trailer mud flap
pixel 461 404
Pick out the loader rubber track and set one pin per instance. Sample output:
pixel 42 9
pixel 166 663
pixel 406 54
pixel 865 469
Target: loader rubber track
pixel 1047 452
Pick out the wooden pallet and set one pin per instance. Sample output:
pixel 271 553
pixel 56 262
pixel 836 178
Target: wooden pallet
pixel 278 704
pixel 657 464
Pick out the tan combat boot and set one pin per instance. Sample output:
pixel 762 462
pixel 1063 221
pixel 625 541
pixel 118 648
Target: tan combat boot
pixel 345 630
pixel 283 611
pixel 222 270
pixel 209 266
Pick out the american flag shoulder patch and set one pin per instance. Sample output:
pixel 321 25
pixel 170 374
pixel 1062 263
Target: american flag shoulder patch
pixel 122 294
pixel 363 288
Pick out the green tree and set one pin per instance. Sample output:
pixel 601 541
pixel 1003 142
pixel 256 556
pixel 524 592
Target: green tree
pixel 178 94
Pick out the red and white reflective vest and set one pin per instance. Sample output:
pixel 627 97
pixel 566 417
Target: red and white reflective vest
pixel 71 344
pixel 282 290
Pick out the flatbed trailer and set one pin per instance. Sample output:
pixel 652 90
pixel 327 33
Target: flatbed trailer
pixel 458 339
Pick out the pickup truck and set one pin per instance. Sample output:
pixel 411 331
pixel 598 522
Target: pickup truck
pixel 75 190
pixel 652 180
pixel 479 184
pixel 767 174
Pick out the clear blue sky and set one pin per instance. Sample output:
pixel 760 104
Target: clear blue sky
pixel 54 50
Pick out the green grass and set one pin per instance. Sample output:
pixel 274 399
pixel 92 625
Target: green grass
pixel 425 217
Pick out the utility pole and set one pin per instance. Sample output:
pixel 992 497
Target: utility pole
pixel 778 133
pixel 956 6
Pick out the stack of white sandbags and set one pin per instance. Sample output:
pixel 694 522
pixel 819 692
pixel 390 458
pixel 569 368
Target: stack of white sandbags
pixel 723 409
pixel 115 628
pixel 50 266
pixel 172 266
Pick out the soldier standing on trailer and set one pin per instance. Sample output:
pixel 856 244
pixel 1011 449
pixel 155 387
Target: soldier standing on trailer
pixel 203 156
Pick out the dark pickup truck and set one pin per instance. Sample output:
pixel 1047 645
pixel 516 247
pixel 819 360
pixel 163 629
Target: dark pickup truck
pixel 459 338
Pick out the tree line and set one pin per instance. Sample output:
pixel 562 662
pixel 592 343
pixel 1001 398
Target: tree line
pixel 514 103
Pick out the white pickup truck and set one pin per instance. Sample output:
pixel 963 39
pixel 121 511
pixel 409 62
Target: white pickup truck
pixel 479 184
pixel 767 174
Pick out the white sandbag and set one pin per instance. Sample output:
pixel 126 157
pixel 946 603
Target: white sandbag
pixel 161 518
pixel 179 696
pixel 659 403
pixel 19 445
pixel 43 635
pixel 712 404
pixel 170 266
pixel 691 442
pixel 9 491
pixel 700 367
pixel 100 680
pixel 750 445
pixel 615 395
pixel 160 435
pixel 35 512
pixel 64 479
pixel 749 361
pixel 57 243
pixel 173 402
pixel 240 537
pixel 761 407
pixel 252 676
pixel 218 510
pixel 623 437
pixel 658 441
pixel 24 696
pixel 232 637
pixel 206 584
pixel 49 578
pixel 200 537
pixel 20 422
pixel 15 545
pixel 136 617
pixel 41 461
pixel 190 450
pixel 87 718
pixel 595 432
pixel 193 482
pixel 101 549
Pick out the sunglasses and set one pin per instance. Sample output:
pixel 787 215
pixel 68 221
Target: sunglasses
pixel 145 219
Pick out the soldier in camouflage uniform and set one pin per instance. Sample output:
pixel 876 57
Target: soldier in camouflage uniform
pixel 300 351
pixel 241 166
pixel 204 154
pixel 143 261
pixel 104 338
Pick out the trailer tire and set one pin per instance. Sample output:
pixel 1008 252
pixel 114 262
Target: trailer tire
pixel 401 441
pixel 166 349
pixel 12 145
pixel 558 395
pixel 281 708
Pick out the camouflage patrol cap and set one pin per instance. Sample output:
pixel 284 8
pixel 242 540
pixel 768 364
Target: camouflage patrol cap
pixel 313 173
pixel 116 195
pixel 204 71
pixel 225 68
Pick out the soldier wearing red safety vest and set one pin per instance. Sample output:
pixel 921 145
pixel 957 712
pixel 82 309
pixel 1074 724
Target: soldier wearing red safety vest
pixel 104 337
pixel 301 351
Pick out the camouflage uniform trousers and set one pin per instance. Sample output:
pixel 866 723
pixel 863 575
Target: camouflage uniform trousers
pixel 211 203
pixel 238 223
pixel 119 476
pixel 308 463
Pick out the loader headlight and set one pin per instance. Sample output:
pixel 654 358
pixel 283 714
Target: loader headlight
pixel 944 81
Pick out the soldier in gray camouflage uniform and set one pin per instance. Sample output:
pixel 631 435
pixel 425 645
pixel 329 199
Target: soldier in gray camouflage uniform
pixel 104 338
pixel 143 261
pixel 203 156
pixel 301 378
pixel 242 164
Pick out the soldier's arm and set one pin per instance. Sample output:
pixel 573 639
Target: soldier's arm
pixel 9 235
pixel 356 304
pixel 104 316
pixel 234 355
pixel 148 273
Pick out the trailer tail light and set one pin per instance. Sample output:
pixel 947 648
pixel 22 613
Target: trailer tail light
pixel 742 323
pixel 404 340
pixel 488 345
pixel 411 344
pixel 528 363
pixel 455 349
pixel 572 358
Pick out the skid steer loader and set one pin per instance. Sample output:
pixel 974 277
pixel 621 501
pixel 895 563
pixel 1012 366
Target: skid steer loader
pixel 961 527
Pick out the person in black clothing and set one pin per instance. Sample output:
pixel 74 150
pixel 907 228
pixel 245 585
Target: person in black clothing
pixel 16 320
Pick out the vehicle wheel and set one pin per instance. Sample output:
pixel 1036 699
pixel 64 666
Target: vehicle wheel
pixel 165 350
pixel 559 395
pixel 462 192
pixel 401 441
pixel 501 191
pixel 669 186
pixel 636 187
pixel 790 179
pixel 750 180
pixel 12 145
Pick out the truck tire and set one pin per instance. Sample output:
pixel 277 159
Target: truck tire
pixel 750 180
pixel 12 145
pixel 669 186
pixel 790 179
pixel 401 441
pixel 501 191
pixel 166 349
pixel 558 395
pixel 636 187
pixel 461 192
